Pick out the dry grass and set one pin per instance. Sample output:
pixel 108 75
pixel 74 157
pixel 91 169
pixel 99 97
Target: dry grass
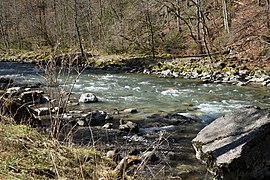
pixel 27 154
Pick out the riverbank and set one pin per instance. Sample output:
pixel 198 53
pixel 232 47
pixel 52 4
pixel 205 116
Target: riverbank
pixel 214 69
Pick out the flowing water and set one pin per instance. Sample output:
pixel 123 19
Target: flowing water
pixel 150 94
pixel 153 95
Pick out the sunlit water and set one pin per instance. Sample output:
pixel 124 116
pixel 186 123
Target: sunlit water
pixel 150 94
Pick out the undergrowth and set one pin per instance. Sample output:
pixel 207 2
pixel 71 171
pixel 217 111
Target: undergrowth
pixel 27 154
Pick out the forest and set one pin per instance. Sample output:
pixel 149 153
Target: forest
pixel 151 27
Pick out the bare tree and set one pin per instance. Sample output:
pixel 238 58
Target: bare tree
pixel 78 29
pixel 268 14
pixel 4 24
pixel 198 24
pixel 225 16
pixel 150 25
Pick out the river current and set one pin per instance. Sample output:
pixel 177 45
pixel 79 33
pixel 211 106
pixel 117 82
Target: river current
pixel 150 94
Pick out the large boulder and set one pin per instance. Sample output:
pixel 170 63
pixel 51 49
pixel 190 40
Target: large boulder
pixel 88 98
pixel 237 145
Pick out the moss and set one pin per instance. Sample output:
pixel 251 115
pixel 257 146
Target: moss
pixel 225 69
pixel 234 71
pixel 198 70
pixel 155 67
pixel 245 72
pixel 164 67
pixel 98 63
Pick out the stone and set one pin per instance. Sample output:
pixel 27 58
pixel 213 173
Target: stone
pixel 125 164
pixel 130 110
pixel 42 111
pixel 34 96
pixel 237 145
pixel 88 98
pixel 107 126
pixel 240 83
pixel 14 90
pixel 81 122
pixel 128 126
pixel 149 155
pixel 95 117
pixel 171 156
pixel 55 110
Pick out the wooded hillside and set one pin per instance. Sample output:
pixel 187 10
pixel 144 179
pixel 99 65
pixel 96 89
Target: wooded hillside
pixel 182 27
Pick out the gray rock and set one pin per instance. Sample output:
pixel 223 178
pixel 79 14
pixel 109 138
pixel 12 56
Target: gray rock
pixel 130 110
pixel 171 156
pixel 55 110
pixel 114 155
pixel 236 146
pixel 42 111
pixel 240 83
pixel 81 123
pixel 95 117
pixel 150 156
pixel 14 90
pixel 135 138
pixel 75 112
pixel 107 126
pixel 266 83
pixel 88 98
pixel 128 126
pixel 34 96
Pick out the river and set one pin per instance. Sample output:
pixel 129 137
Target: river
pixel 152 95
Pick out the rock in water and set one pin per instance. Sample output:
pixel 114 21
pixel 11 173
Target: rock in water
pixel 237 145
pixel 88 98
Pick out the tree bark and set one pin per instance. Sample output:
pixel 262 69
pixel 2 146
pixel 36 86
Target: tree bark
pixel 151 29
pixel 268 15
pixel 3 25
pixel 198 28
pixel 225 16
pixel 78 30
pixel 177 17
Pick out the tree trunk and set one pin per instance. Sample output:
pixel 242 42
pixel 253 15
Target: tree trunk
pixel 225 16
pixel 177 17
pixel 17 27
pixel 3 26
pixel 78 30
pixel 268 15
pixel 198 28
pixel 151 29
